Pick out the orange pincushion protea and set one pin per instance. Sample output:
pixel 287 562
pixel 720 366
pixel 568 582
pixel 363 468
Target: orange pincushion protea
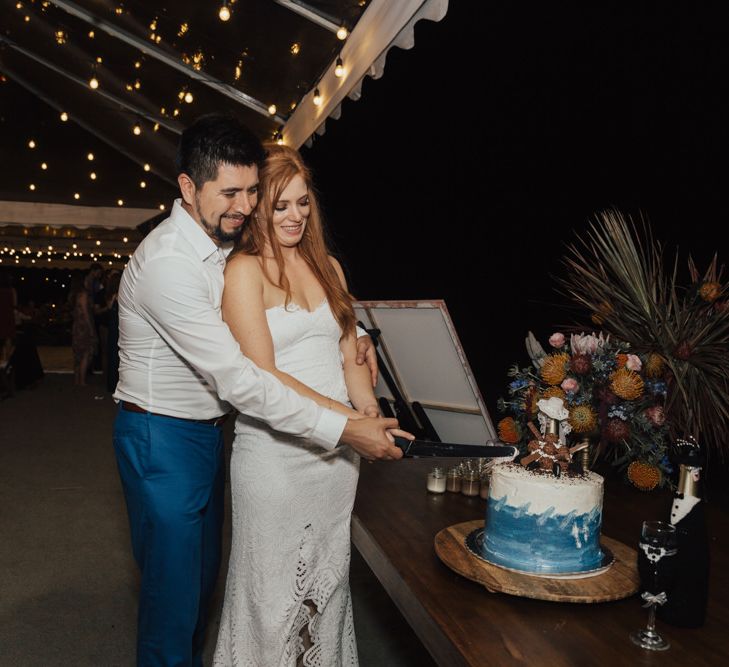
pixel 654 365
pixel 644 476
pixel 583 419
pixel 509 431
pixel 626 384
pixel 554 368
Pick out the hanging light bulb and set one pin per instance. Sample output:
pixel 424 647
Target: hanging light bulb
pixel 342 33
pixel 188 97
pixel 155 127
pixel 64 116
pixel 44 166
pixel 161 208
pixel 224 12
pixel 94 82
pixel 317 98
pixel 142 184
pixel 146 167
pixel 120 202
pixel 92 175
pixel 31 143
pixel 137 64
pixel 31 186
pixel 136 129
pixel 272 109
pixel 91 34
pixel 339 68
pixel 76 195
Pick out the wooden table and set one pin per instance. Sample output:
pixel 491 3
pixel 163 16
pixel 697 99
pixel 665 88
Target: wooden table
pixel 461 623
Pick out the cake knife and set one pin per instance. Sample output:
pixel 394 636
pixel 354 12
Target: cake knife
pixel 418 448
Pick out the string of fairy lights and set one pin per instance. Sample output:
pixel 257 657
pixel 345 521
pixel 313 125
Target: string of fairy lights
pixel 92 173
pixel 27 256
pixel 67 248
pixel 195 59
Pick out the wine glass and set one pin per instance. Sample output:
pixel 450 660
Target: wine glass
pixel 657 569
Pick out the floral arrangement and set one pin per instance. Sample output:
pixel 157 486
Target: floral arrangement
pixel 678 326
pixel 614 396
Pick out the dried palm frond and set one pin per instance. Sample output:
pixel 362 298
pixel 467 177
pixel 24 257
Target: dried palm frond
pixel 617 272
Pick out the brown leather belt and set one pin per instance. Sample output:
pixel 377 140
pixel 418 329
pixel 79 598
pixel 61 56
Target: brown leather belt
pixel 215 421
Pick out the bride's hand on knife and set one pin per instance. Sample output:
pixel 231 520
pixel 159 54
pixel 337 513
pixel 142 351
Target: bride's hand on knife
pixel 372 438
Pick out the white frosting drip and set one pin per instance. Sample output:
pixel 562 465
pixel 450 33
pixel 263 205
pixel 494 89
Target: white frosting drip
pixel 536 493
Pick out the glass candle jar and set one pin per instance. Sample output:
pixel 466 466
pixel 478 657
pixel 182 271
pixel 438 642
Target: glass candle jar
pixel 453 480
pixel 470 483
pixel 436 482
pixel 484 491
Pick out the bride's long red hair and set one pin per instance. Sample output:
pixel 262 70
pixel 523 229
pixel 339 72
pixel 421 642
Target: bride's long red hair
pixel 281 165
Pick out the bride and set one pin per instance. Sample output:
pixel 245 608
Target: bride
pixel 287 598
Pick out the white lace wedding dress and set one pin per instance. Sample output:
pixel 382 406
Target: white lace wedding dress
pixel 287 598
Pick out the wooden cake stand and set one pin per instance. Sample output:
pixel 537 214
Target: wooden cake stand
pixel 619 581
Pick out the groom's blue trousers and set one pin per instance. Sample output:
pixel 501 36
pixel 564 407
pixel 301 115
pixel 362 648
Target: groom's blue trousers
pixel 172 472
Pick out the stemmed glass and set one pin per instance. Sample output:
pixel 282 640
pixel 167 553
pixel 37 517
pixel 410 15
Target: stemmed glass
pixel 657 569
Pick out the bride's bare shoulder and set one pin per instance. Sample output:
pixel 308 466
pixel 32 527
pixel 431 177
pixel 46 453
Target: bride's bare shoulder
pixel 240 265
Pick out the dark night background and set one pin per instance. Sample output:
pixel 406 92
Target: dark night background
pixel 463 171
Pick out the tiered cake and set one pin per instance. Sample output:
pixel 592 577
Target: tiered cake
pixel 542 524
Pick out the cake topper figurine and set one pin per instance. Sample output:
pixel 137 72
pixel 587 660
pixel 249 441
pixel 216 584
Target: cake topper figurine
pixel 549 449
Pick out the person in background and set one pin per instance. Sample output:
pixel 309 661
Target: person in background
pixel 112 336
pixel 8 303
pixel 83 332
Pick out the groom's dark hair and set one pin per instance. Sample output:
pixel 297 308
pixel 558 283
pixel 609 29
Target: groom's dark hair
pixel 213 140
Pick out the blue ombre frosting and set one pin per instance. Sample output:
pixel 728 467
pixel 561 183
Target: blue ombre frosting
pixel 542 524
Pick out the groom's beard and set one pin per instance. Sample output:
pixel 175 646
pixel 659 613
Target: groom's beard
pixel 216 231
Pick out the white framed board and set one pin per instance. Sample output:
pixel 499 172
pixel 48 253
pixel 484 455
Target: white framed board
pixel 420 347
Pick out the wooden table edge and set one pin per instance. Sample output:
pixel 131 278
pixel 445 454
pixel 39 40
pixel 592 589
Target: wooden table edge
pixel 440 647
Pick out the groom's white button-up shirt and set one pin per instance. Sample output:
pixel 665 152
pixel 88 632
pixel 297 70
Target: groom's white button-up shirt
pixel 176 355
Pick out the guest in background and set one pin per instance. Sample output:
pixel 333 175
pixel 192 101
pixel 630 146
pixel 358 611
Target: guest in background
pixel 83 333
pixel 94 284
pixel 25 360
pixel 112 335
pixel 8 303
pixel 8 299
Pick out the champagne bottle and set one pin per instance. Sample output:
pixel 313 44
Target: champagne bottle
pixel 686 604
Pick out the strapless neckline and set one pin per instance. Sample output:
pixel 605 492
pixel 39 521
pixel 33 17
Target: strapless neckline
pixel 295 307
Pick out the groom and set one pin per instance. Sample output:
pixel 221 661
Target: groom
pixel 180 371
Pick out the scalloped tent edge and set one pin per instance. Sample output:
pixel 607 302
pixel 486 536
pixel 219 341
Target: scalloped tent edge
pixel 383 26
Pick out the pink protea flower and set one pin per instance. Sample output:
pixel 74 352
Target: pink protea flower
pixel 570 384
pixel 556 340
pixel 634 363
